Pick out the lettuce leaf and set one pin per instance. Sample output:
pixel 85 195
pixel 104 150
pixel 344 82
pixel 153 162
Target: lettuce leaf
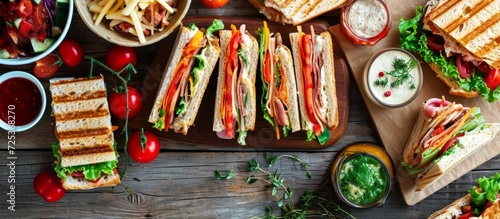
pixel 215 26
pixel 265 89
pixel 91 171
pixel 412 38
pixel 489 190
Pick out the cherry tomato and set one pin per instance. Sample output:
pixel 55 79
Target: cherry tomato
pixel 47 66
pixel 118 103
pixel 119 56
pixel 492 80
pixel 143 146
pixel 48 186
pixel 71 52
pixel 484 67
pixel 435 43
pixel 25 8
pixel 214 3
pixel 465 68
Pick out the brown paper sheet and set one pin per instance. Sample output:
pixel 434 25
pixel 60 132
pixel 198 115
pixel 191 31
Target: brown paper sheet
pixel 394 125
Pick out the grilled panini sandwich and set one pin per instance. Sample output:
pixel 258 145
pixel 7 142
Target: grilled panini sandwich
pixel 84 149
pixel 294 11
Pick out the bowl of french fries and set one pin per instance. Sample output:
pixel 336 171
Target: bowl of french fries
pixel 132 23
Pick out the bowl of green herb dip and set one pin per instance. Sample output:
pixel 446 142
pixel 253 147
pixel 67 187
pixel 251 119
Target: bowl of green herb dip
pixel 362 175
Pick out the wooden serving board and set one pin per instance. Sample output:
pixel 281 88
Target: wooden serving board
pixel 395 125
pixel 263 135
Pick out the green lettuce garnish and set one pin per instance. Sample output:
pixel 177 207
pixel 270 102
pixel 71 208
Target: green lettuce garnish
pixel 265 89
pixel 90 171
pixel 160 123
pixel 181 107
pixel 412 38
pixel 215 26
pixel 489 190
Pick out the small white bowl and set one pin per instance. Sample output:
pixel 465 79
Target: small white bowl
pixel 55 44
pixel 36 82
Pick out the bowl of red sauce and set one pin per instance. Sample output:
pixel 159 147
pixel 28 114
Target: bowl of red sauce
pixel 22 101
pixel 365 22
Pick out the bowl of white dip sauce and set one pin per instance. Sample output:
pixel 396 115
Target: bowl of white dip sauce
pixel 392 78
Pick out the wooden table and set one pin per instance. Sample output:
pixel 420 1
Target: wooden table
pixel 180 183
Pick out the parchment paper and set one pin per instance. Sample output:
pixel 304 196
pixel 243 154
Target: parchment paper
pixel 394 125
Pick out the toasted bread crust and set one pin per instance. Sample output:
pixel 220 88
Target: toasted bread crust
pixel 452 210
pixel 455 89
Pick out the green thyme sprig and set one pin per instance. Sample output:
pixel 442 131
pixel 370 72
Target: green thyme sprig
pixel 401 73
pixel 310 205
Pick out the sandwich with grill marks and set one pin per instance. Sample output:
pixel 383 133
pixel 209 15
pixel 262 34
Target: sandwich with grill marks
pixel 85 146
pixel 459 40
pixel 295 11
pixel 186 77
pixel 444 134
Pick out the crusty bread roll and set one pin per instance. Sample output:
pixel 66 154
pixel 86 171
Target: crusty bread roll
pixel 452 210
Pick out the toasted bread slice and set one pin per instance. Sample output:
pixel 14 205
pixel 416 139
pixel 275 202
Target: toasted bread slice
pixel 455 89
pixel 298 11
pixel 472 25
pixel 74 183
pixel 82 121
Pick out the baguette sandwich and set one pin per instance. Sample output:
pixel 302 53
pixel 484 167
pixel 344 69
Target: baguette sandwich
pixel 444 134
pixel 235 106
pixel 85 146
pixel 295 12
pixel 279 91
pixel 315 77
pixel 482 202
pixel 458 40
pixel 186 77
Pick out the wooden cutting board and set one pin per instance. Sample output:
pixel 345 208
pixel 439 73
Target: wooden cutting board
pixel 394 125
pixel 263 135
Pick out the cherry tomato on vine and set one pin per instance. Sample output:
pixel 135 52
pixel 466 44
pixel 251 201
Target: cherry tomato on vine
pixel 48 186
pixel 119 56
pixel 47 66
pixel 143 146
pixel 214 3
pixel 71 52
pixel 118 103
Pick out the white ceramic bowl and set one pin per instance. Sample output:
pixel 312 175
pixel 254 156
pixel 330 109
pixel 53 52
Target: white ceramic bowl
pixel 34 80
pixel 59 39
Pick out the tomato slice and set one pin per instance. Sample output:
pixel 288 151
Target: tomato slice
pixel 466 215
pixel 305 53
pixel 484 67
pixel 449 144
pixel 435 43
pixel 47 66
pixel 492 80
pixel 24 28
pixel 267 68
pixel 438 130
pixel 25 8
pixel 465 68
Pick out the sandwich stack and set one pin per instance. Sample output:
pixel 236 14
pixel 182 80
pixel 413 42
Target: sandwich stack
pixel 85 151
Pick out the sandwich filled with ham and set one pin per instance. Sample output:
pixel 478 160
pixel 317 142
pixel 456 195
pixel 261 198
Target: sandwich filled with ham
pixel 235 106
pixel 279 91
pixel 444 134
pixel 315 77
pixel 186 77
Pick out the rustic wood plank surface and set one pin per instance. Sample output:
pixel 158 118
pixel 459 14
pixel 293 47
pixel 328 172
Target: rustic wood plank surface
pixel 180 183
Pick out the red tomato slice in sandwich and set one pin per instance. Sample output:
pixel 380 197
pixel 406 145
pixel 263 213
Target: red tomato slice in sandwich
pixel 492 80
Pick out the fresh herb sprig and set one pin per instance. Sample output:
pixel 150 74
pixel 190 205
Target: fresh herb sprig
pixel 310 205
pixel 401 73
